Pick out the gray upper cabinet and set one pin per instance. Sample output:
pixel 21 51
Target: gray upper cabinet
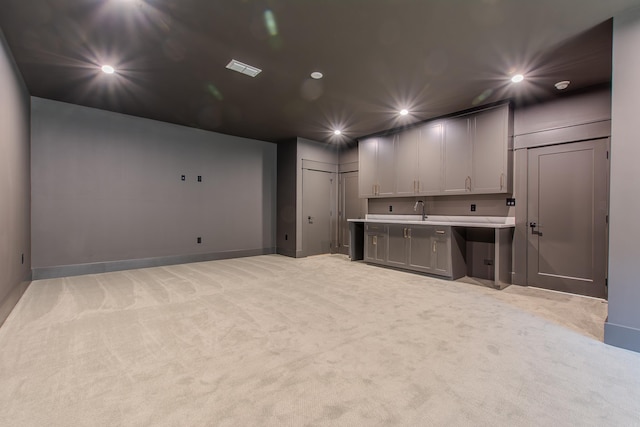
pixel 377 169
pixel 490 151
pixel 460 155
pixel 407 162
pixel 429 179
pixel 457 154
pixel 419 161
pixel 386 166
pixel 367 156
pixel 476 152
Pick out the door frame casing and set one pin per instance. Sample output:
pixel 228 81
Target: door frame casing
pixel 332 170
pixel 600 219
pixel 590 124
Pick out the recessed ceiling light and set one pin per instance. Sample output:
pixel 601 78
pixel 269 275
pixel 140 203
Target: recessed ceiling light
pixel 108 69
pixel 316 75
pixel 517 78
pixel 562 85
pixel 243 68
pixel 337 132
pixel 404 112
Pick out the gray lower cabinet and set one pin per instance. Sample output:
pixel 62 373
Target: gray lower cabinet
pixel 423 248
pixel 375 243
pixel 397 248
pixel 420 249
pixel 442 256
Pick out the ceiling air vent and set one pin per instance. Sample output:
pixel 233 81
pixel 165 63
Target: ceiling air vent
pixel 243 68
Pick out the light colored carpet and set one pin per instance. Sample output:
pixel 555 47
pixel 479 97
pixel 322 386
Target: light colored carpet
pixel 319 341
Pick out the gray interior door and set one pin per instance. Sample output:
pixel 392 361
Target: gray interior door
pixel 567 217
pixel 318 207
pixel 350 207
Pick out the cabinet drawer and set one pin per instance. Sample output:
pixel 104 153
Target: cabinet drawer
pixel 374 228
pixel 442 231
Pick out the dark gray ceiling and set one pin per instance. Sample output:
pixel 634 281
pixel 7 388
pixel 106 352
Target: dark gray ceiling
pixel 434 57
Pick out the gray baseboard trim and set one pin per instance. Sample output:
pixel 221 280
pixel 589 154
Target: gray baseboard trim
pixel 622 336
pixel 10 301
pixel 131 264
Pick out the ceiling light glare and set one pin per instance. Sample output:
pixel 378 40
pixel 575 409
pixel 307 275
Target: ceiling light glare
pixel 316 75
pixel 517 78
pixel 404 112
pixel 108 69
pixel 337 132
pixel 562 85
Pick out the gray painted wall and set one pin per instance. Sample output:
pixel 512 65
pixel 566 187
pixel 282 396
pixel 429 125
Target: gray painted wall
pixel 569 110
pixel 15 227
pixel 623 324
pixel 107 187
pixel 287 179
pixel 486 205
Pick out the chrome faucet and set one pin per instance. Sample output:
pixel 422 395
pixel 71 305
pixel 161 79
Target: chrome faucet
pixel 415 208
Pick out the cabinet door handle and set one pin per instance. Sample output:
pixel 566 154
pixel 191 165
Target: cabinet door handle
pixel 409 232
pixel 439 231
pixel 501 181
pixel 467 183
pixel 375 240
pixel 404 233
pixel 434 246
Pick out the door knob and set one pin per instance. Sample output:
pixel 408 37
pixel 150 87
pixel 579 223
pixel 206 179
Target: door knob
pixel 533 226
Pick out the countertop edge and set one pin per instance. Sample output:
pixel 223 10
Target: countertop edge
pixel 427 222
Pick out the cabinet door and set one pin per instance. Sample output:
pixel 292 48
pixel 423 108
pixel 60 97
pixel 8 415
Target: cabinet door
pixel 381 248
pixel 457 156
pixel 375 245
pixel 407 162
pixel 441 251
pixel 430 159
pixel 397 253
pixel 370 242
pixel 420 248
pixel 367 153
pixel 490 150
pixel 386 170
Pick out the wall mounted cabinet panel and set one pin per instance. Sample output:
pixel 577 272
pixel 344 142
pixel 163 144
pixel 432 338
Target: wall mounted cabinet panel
pixel 407 162
pixel 457 156
pixel 490 151
pixel 429 178
pixel 367 154
pixel 377 167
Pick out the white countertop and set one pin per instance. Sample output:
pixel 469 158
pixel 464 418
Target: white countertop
pixel 455 221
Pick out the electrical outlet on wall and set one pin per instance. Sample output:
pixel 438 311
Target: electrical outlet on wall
pixel 473 207
pixel 511 201
pixel 199 239
pixel 390 208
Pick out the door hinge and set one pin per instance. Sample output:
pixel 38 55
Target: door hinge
pixel 606 282
pixel 607 154
pixel 606 219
